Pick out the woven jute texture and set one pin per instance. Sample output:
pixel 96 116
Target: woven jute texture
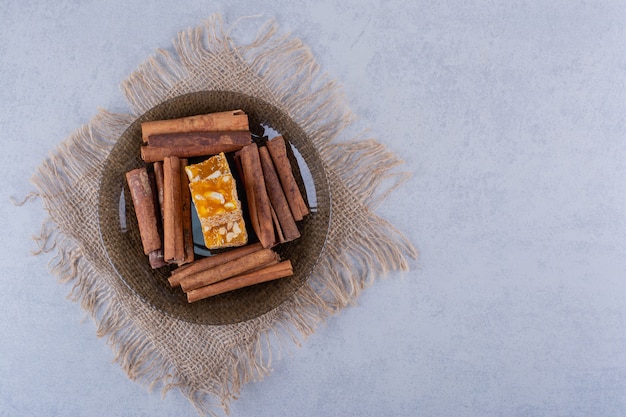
pixel 205 355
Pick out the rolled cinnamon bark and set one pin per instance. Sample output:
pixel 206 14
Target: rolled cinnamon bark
pixel 278 150
pixel 185 139
pixel 143 201
pixel 156 259
pixel 159 153
pixel 269 273
pixel 158 176
pixel 222 121
pixel 238 266
pixel 280 238
pixel 256 194
pixel 237 159
pixel 173 243
pixel 277 197
pixel 209 262
pixel 185 194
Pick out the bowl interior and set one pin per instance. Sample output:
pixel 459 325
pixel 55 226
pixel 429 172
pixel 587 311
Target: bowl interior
pixel 120 233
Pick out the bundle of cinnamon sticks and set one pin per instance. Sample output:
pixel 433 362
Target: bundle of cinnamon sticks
pixel 247 265
pixel 162 200
pixel 274 199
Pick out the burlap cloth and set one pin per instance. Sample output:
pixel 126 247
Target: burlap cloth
pixel 207 362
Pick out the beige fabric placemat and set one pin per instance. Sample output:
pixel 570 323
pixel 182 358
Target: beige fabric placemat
pixel 209 363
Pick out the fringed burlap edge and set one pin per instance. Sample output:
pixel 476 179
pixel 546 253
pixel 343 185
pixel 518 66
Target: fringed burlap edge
pixel 361 246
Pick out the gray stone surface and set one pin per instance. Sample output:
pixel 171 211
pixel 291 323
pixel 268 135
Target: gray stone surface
pixel 511 115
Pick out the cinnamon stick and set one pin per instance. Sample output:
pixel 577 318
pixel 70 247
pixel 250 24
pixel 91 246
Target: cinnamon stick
pixel 156 259
pixel 185 139
pixel 158 153
pixel 222 121
pixel 249 190
pixel 269 273
pixel 173 244
pixel 229 269
pixel 278 150
pixel 237 159
pixel 279 232
pixel 158 176
pixel 256 193
pixel 209 262
pixel 156 256
pixel 143 201
pixel 185 194
pixel 277 197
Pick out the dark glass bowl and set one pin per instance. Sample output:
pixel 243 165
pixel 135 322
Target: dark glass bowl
pixel 120 233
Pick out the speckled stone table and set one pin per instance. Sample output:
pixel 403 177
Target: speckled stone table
pixel 511 118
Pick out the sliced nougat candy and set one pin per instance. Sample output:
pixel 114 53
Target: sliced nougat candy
pixel 214 194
